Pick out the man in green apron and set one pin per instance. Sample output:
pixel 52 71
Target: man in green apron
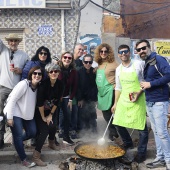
pixel 130 106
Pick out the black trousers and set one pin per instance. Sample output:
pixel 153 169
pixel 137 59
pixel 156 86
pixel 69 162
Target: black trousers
pixel 44 130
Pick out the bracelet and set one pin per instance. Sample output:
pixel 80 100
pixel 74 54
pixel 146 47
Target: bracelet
pixel 51 113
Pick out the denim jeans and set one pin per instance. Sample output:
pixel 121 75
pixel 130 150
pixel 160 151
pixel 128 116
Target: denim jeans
pixel 73 118
pixel 157 112
pixel 4 92
pixel 20 135
pixel 143 139
pixel 65 117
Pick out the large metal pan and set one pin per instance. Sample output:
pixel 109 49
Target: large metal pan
pixel 92 143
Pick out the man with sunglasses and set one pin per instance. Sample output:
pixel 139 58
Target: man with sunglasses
pixel 87 94
pixel 156 76
pixel 130 106
pixel 12 61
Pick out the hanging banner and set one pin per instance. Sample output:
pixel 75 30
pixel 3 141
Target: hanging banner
pixel 22 3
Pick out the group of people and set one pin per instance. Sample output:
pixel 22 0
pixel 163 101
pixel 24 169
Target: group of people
pixel 38 96
pixel 141 89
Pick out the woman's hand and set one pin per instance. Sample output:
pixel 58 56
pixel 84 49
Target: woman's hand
pixel 10 122
pixel 49 119
pixel 113 108
pixel 70 105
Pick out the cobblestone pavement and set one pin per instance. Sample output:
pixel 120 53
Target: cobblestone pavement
pixel 10 161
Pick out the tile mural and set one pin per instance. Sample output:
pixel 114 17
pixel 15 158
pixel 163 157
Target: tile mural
pixel 36 21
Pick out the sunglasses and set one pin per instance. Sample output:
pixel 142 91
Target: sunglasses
pixel 54 71
pixel 86 62
pixel 65 57
pixel 37 73
pixel 124 51
pixel 41 53
pixel 103 51
pixel 142 48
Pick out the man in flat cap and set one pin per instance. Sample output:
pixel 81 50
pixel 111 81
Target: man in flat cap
pixel 12 61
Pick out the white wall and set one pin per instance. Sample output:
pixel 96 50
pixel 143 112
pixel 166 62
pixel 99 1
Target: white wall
pixel 91 18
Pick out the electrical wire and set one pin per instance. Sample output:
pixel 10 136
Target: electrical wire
pixel 138 13
pixel 151 2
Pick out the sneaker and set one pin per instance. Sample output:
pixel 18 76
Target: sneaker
pixel 139 158
pixel 28 163
pixel 67 140
pixel 60 134
pixel 156 164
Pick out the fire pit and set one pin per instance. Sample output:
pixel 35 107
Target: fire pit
pixel 86 163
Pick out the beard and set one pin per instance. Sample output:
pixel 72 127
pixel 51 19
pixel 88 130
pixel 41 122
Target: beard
pixel 143 56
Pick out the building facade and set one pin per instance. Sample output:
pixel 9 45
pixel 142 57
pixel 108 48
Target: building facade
pixel 54 25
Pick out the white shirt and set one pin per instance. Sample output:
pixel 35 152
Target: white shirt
pixel 138 65
pixel 7 78
pixel 21 102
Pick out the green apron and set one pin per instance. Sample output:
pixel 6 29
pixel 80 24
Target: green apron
pixel 129 114
pixel 105 90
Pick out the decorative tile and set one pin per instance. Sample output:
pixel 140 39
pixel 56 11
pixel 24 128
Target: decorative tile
pixel 31 19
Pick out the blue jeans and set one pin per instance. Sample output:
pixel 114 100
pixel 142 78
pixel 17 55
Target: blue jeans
pixel 157 112
pixel 127 140
pixel 73 118
pixel 66 116
pixel 19 135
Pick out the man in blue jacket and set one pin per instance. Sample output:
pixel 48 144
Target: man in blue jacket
pixel 156 75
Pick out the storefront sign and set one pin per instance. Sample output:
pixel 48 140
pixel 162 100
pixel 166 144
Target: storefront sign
pixel 22 3
pixel 46 30
pixel 162 47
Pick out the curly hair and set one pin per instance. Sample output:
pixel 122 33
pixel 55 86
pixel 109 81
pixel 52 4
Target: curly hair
pixel 72 64
pixel 110 58
pixel 36 56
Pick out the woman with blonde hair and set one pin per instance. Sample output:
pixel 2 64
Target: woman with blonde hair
pixel 105 80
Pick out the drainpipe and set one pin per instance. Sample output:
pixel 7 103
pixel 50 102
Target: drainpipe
pixel 63 48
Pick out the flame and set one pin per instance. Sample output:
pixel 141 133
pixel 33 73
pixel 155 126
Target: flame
pixel 75 158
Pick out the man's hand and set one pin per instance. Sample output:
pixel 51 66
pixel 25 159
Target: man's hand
pixel 135 96
pixel 145 85
pixel 17 70
pixel 10 122
pixel 80 103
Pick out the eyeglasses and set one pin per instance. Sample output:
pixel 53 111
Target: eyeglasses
pixel 124 51
pixel 103 51
pixel 54 71
pixel 37 73
pixel 86 62
pixel 41 53
pixel 12 55
pixel 142 48
pixel 65 57
pixel 13 40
